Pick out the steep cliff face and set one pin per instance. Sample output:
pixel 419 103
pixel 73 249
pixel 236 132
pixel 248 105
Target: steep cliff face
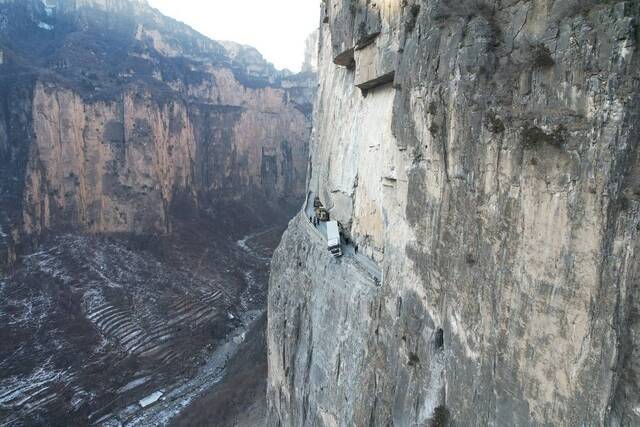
pixel 483 155
pixel 117 166
pixel 115 116
pixel 310 63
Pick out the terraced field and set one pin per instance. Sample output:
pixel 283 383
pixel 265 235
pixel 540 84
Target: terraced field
pixel 91 325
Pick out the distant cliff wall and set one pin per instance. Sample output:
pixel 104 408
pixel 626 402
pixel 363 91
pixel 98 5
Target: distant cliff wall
pixel 114 116
pixel 116 166
pixel 484 157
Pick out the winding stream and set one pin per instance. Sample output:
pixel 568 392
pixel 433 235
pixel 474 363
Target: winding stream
pixel 180 395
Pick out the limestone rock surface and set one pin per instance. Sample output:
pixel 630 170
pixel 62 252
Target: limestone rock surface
pixel 115 118
pixel 493 181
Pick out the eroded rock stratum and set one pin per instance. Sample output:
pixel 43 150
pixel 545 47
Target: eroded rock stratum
pixel 485 155
pixel 113 115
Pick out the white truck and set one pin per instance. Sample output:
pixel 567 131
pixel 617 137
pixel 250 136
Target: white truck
pixel 333 239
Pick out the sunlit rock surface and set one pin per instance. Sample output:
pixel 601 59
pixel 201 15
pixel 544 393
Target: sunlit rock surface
pixel 494 181
pixel 310 63
pixel 113 114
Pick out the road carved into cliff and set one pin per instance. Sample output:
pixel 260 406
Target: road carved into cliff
pixel 319 232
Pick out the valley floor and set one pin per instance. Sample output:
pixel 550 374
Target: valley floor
pixel 95 328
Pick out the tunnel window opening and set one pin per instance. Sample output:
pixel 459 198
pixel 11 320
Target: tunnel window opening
pixel 439 339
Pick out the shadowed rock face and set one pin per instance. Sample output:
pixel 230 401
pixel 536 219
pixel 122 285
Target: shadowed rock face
pixel 113 114
pixel 493 182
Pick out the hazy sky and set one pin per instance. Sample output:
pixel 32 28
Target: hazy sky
pixel 277 28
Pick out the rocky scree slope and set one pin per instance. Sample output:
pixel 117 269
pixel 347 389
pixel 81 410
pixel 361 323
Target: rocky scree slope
pixel 113 115
pixel 485 155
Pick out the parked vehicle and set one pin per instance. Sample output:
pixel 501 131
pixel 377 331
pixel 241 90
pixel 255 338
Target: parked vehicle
pixel 333 239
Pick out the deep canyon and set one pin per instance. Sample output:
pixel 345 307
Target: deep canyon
pixel 146 174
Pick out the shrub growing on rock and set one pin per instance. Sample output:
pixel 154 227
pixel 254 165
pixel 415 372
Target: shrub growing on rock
pixel 533 136
pixel 541 56
pixel 440 417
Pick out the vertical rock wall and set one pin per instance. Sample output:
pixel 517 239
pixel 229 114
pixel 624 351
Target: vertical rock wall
pixel 484 154
pixel 115 166
pixel 115 118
